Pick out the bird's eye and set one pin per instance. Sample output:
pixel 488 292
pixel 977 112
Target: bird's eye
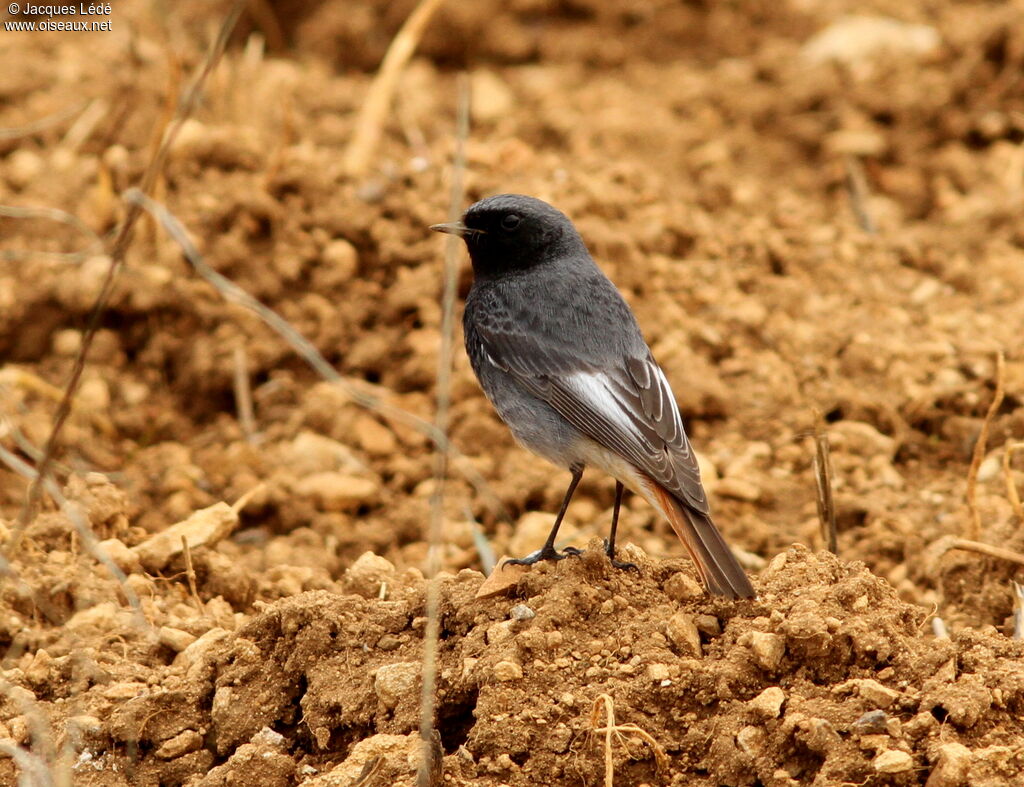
pixel 509 222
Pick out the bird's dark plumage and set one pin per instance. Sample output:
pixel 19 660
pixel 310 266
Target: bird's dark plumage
pixel 559 353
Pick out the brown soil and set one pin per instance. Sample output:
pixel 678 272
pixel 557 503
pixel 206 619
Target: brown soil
pixel 705 157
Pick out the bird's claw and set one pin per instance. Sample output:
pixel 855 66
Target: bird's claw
pixel 622 565
pixel 542 554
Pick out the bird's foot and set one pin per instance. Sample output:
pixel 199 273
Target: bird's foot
pixel 547 552
pixel 622 565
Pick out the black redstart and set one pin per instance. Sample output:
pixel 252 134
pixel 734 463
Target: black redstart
pixel 560 355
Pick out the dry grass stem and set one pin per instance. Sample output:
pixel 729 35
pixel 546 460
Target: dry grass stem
pixel 613 731
pixel 243 394
pixel 95 244
pixel 857 188
pixel 823 483
pixel 373 113
pixel 1011 488
pixel 43 124
pixel 190 574
pixel 974 525
pixel 987 549
pixel 1018 610
pixel 444 377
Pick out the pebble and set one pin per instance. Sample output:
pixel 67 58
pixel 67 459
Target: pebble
pixel 204 527
pixel 335 491
pixel 657 673
pixel 750 740
pixel 395 681
pixel 768 649
pixel 506 671
pixel 682 587
pixel 684 634
pixel 176 639
pixel 871 723
pixel 373 437
pixel 738 489
pixel 893 761
pixel 521 613
pixel 364 577
pixel 342 257
pixel 184 742
pixel 768 704
pixel 951 766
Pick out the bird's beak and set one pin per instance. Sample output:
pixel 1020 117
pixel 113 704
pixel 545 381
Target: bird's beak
pixel 455 228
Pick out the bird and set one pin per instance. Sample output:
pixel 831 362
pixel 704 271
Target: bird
pixel 560 355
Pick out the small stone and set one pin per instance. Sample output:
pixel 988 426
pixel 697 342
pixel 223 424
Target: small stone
pixel 268 737
pixel 342 258
pixel 312 453
pixel 768 704
pixel 182 743
pixel 176 639
pixel 122 555
pixel 870 690
pixel 768 649
pixel 860 439
pixel 373 437
pixel 738 489
pixel 502 580
pixel 682 587
pixel 399 755
pixel 395 681
pixel 871 723
pixel 499 632
pixel 492 99
pixel 84 725
pixel 337 491
pixel 23 167
pixel 684 634
pixel 506 671
pixel 67 342
pixel 522 613
pixel 951 766
pixel 855 39
pixel 893 761
pixel 708 625
pixel 657 673
pixel 364 577
pixel 750 740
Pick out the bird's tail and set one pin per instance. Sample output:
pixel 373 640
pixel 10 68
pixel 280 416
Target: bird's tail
pixel 718 567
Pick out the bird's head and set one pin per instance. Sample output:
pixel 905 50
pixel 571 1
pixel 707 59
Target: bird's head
pixel 512 232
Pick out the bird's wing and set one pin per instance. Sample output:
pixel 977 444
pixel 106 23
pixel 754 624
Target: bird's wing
pixel 620 401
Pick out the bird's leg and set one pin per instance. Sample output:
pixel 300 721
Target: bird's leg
pixel 609 545
pixel 548 551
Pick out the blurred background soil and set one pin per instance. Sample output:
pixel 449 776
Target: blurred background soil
pixel 817 219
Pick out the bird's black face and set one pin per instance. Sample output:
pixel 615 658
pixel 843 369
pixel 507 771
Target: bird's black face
pixel 512 232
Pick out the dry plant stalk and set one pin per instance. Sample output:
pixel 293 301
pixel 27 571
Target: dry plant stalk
pixel 974 525
pixel 619 731
pixel 857 188
pixel 823 482
pixel 372 114
pixel 1011 488
pixel 118 249
pixel 987 549
pixel 444 383
pixel 190 574
pixel 1018 610
pixel 243 394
